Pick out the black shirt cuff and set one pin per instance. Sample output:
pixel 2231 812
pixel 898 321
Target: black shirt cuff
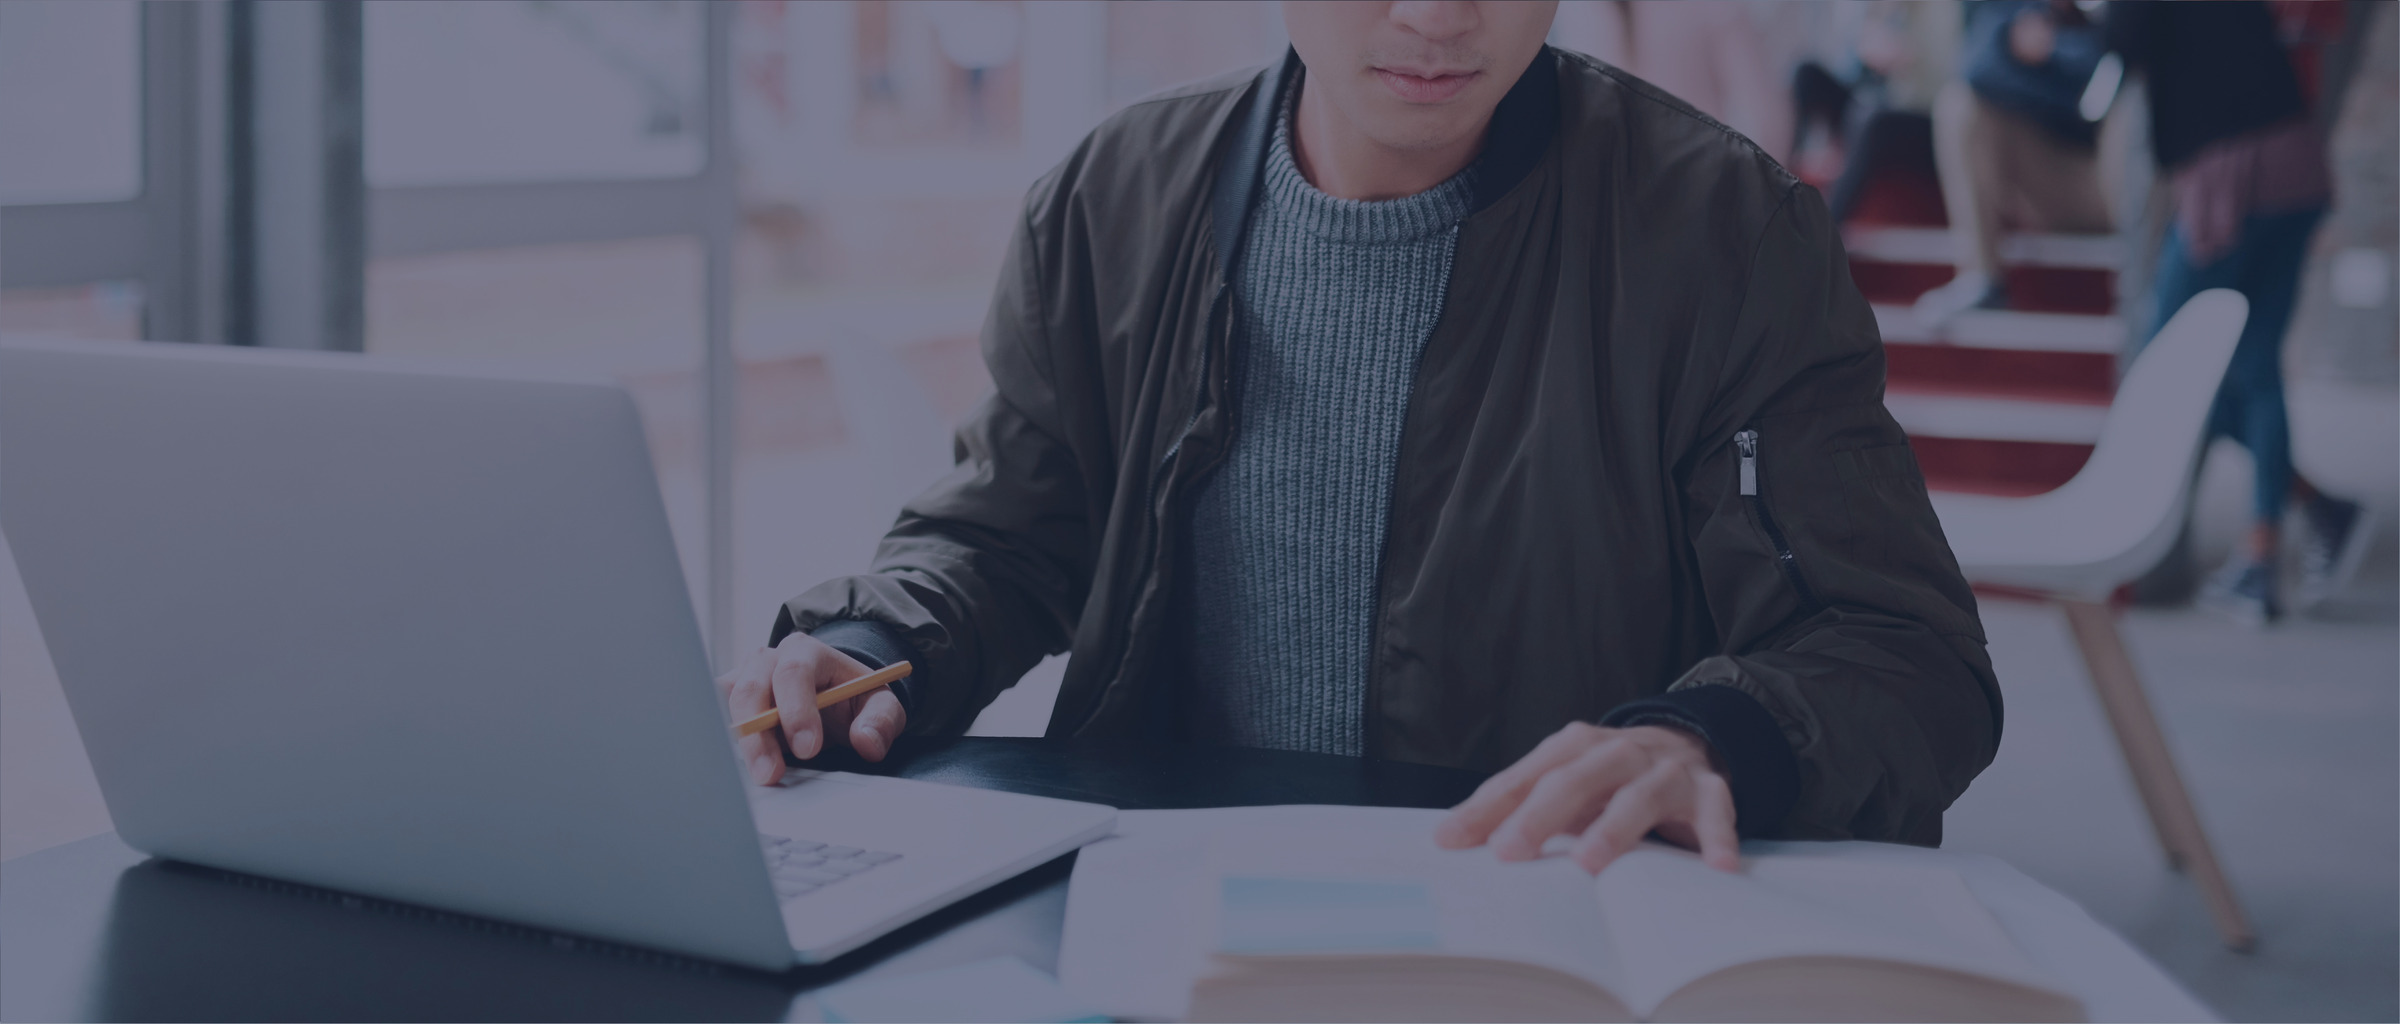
pixel 873 644
pixel 1759 765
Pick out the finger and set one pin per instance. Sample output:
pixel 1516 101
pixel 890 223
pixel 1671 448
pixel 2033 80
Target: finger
pixel 1567 798
pixel 750 666
pixel 748 696
pixel 835 718
pixel 746 692
pixel 835 668
pixel 795 684
pixel 879 721
pixel 761 757
pixel 1631 814
pixel 1472 821
pixel 1713 819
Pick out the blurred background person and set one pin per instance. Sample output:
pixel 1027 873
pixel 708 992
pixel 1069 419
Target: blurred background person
pixel 2245 164
pixel 1708 53
pixel 1877 99
pixel 2014 149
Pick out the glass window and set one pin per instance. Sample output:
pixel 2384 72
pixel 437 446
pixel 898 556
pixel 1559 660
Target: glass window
pixel 1154 46
pixel 629 310
pixel 938 73
pixel 105 311
pixel 532 90
pixel 70 101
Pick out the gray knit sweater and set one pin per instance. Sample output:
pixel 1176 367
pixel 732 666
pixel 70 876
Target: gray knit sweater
pixel 1334 300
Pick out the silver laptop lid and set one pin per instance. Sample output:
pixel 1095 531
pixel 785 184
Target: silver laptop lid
pixel 417 635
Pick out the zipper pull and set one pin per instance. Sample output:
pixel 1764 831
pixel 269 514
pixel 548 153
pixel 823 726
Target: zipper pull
pixel 1746 442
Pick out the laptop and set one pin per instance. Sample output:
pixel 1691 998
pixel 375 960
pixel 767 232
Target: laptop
pixel 421 634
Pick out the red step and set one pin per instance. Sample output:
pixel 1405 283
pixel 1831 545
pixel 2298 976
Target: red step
pixel 1902 191
pixel 2037 289
pixel 2035 377
pixel 2085 378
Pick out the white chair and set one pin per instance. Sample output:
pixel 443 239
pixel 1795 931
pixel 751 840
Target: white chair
pixel 2077 545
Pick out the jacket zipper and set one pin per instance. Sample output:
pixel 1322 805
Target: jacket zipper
pixel 1746 443
pixel 1158 481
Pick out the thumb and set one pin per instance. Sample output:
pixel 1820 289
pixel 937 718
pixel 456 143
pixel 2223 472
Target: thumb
pixel 878 724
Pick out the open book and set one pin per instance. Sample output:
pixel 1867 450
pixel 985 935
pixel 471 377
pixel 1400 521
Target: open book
pixel 1313 924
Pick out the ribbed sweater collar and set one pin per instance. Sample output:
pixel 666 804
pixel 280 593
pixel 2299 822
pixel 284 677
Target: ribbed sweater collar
pixel 1399 221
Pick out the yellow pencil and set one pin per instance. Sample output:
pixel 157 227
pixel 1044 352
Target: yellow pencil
pixel 875 680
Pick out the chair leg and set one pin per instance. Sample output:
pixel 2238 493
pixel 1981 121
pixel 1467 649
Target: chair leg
pixel 2153 766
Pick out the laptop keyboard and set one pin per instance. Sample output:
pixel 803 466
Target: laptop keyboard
pixel 800 867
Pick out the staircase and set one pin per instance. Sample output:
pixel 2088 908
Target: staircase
pixel 2004 402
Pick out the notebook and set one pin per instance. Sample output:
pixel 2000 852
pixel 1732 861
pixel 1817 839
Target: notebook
pixel 1322 923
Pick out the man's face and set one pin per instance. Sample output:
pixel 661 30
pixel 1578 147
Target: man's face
pixel 1416 75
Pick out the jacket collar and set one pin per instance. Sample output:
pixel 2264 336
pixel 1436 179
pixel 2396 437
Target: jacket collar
pixel 1521 129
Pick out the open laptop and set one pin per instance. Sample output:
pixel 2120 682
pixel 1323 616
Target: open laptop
pixel 422 635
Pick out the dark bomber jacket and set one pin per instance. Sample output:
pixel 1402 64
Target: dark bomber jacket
pixel 1646 470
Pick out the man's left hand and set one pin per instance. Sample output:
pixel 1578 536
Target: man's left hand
pixel 1609 787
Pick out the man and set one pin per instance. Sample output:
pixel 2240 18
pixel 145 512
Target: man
pixel 1430 394
pixel 2012 146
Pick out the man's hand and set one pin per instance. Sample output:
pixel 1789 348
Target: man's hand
pixel 1611 787
pixel 2032 37
pixel 787 678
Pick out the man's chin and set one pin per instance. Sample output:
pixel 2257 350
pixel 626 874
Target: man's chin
pixel 1423 134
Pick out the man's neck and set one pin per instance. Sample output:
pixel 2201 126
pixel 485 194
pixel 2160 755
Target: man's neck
pixel 1344 163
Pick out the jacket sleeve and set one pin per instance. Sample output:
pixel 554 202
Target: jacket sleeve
pixel 1840 609
pixel 985 572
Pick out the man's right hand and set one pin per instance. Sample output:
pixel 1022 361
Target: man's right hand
pixel 788 677
pixel 2033 37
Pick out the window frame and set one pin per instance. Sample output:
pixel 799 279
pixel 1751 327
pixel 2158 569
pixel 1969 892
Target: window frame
pixel 422 220
pixel 172 238
pixel 149 238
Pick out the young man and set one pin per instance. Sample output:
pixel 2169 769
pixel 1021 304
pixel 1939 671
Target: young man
pixel 1441 397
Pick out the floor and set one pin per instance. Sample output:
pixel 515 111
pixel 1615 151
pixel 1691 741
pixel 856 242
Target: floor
pixel 2285 738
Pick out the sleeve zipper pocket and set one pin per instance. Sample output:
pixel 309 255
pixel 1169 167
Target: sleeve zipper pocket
pixel 1745 443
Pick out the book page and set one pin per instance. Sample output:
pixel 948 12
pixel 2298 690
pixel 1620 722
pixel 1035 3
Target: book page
pixel 1677 920
pixel 1143 905
pixel 1354 884
pixel 1130 948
